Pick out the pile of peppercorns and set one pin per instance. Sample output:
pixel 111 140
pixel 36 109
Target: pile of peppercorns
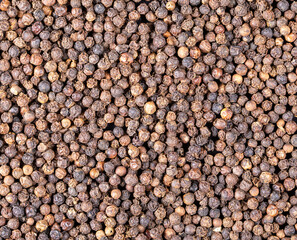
pixel 134 119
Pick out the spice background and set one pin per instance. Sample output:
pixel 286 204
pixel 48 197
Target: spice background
pixel 132 119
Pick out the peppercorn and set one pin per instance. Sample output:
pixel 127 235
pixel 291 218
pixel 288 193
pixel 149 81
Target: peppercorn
pixel 119 117
pixel 41 225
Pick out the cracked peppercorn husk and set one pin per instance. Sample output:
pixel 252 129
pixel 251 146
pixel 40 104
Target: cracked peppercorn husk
pixel 130 119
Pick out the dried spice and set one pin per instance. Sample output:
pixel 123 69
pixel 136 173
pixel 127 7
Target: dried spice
pixel 133 119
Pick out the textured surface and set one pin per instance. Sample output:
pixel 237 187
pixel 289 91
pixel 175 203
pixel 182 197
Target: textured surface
pixel 148 119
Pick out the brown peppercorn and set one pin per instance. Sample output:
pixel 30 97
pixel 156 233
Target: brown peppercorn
pixel 126 58
pixel 188 198
pixel 205 46
pixel 36 59
pixel 250 106
pixel 67 224
pixel 266 177
pixel 213 86
pixel 121 171
pixel 183 52
pixel 272 210
pixel 170 5
pixel 150 107
pixel 244 30
pixel 194 174
pixel 226 113
pixel 41 225
pixel 115 193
